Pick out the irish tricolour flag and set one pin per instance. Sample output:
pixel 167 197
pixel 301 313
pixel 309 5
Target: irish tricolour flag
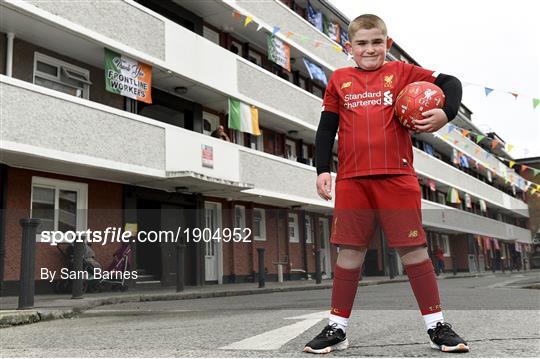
pixel 243 117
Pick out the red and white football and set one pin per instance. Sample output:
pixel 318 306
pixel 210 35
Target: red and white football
pixel 416 98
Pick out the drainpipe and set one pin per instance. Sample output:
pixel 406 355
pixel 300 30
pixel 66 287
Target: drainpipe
pixel 9 54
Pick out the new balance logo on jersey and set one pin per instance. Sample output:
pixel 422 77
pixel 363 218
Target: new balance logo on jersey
pixel 413 233
pixel 388 98
pixel 346 84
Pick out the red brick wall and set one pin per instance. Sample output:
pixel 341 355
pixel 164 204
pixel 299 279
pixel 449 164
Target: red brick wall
pixel 104 202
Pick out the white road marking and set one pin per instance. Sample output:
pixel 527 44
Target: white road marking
pixel 275 339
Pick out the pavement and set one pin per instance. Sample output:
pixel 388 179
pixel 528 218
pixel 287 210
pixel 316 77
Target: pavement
pixel 60 306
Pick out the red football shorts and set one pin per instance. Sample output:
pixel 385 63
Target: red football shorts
pixel 393 201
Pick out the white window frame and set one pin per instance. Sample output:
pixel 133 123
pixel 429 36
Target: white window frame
pixel 214 122
pixel 242 224
pixel 256 56
pixel 62 68
pixel 292 154
pixel 308 228
pixel 305 154
pixel 211 34
pixel 444 243
pixel 239 45
pixel 82 199
pixel 237 137
pixel 294 225
pixel 257 142
pixel 262 236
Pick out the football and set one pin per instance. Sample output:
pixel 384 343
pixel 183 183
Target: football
pixel 416 98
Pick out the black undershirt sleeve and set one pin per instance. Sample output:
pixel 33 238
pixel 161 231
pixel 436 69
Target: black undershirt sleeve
pixel 453 92
pixel 324 140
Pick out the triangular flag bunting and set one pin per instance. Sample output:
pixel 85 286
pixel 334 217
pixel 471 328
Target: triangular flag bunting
pixel 317 43
pixel 514 94
pixel 494 144
pixel 275 30
pixel 535 171
pixel 465 133
pixel 536 101
pixel 479 138
pixel 248 20
pixel 477 151
pixel 524 167
pixel 488 90
pixel 337 47
pixel 509 147
pixel 511 164
pixel 236 15
pixel 259 27
pixel 290 33
pixel 451 128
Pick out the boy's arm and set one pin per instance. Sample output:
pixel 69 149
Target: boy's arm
pixel 453 92
pixel 324 140
pixel 436 118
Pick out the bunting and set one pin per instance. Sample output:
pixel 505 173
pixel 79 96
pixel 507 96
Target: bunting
pixel 340 41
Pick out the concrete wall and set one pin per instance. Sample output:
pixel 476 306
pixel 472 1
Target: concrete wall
pixel 119 20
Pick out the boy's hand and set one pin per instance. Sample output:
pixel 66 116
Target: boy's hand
pixel 433 120
pixel 324 186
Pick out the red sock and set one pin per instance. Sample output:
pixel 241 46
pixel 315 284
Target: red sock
pixel 344 290
pixel 424 286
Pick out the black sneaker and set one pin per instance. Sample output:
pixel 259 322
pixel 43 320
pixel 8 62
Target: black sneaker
pixel 331 338
pixel 445 339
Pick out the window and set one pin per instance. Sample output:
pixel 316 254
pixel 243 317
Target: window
pixel 444 244
pixel 236 47
pixel 305 155
pixel 211 35
pixel 60 205
pixel 257 142
pixel 294 237
pixel 441 198
pixel 255 57
pixel 309 229
pixel 259 224
pixel 240 217
pixel 290 149
pixel 317 91
pixel 210 123
pixel 335 163
pixel 237 137
pixel 302 83
pixel 61 76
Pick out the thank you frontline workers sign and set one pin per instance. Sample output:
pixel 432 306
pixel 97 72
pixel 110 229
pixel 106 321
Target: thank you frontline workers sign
pixel 128 77
pixel 279 52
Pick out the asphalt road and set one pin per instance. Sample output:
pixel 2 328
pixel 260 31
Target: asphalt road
pixel 493 314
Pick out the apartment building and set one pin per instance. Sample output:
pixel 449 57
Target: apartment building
pixel 78 156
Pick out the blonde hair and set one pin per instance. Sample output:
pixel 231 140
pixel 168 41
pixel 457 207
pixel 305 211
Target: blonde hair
pixel 366 22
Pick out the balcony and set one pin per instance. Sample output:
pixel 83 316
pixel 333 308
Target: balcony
pixel 454 220
pixel 275 13
pixel 448 175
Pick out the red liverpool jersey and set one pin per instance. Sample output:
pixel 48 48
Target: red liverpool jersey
pixel 370 140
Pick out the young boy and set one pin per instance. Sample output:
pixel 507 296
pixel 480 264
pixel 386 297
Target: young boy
pixel 376 181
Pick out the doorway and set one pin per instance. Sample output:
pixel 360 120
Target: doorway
pixel 326 261
pixel 213 271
